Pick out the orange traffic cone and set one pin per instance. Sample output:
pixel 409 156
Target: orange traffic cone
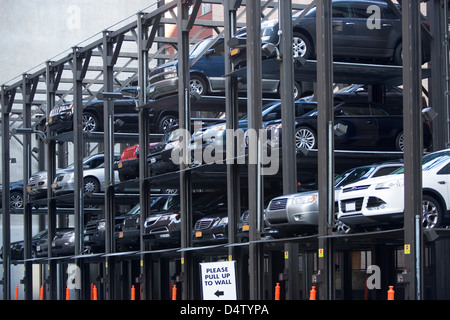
pixel 133 293
pixel 94 292
pixel 312 293
pixel 67 293
pixel 16 295
pixel 277 291
pixel 41 293
pixel 174 292
pixel 391 293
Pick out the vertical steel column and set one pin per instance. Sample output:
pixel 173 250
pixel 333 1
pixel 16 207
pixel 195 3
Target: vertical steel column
pixel 7 101
pixel 438 13
pixel 144 185
pixel 231 111
pixel 184 111
pixel 79 71
pixel 254 112
pixel 53 77
pixel 325 121
pixel 109 60
pixel 288 156
pixel 412 123
pixel 28 89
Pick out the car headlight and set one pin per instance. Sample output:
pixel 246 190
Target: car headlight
pixel 101 225
pixel 220 222
pixel 304 199
pixel 400 183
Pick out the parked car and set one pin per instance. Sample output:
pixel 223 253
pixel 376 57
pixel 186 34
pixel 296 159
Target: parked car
pixel 244 228
pixel 379 202
pixel 37 184
pixel 126 115
pixel 207 74
pixel 42 243
pixel 93 180
pixel 128 233
pixel 63 244
pixel 15 194
pixel 164 228
pixel 368 126
pixel 353 39
pixel 299 212
pixel 17 247
pixel 128 165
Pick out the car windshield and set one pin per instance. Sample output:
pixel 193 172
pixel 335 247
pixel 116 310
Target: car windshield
pixel 352 175
pixel 40 235
pixel 266 110
pixel 429 161
pixel 199 48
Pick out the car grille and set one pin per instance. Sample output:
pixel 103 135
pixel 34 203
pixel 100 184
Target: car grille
pixel 358 204
pixel 278 204
pixel 130 223
pixel 203 224
pixel 90 227
pixel 356 188
pixel 154 75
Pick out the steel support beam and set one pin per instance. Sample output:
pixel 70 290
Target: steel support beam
pixel 7 97
pixel 254 112
pixel 412 123
pixel 325 120
pixel 184 111
pixel 144 185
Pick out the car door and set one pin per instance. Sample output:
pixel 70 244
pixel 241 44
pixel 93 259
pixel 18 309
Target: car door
pixel 378 28
pixel 360 126
pixel 344 29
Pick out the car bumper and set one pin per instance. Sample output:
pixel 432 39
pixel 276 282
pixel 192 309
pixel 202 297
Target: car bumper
pixel 217 234
pixel 128 169
pixel 128 237
pixel 371 208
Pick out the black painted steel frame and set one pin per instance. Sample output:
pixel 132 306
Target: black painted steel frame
pixel 146 31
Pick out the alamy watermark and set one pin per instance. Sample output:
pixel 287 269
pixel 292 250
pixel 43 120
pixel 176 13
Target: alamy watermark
pixel 219 145
pixel 374 20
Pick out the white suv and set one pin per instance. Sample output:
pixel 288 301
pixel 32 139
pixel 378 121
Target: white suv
pixel 380 201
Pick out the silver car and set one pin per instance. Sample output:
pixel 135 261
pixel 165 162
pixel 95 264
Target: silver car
pixel 296 214
pixel 37 184
pixel 93 181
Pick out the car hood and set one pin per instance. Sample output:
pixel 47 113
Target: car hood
pixel 376 180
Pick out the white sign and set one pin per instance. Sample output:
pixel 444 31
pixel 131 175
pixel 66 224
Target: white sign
pixel 219 280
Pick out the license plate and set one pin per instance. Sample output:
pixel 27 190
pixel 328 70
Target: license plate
pixel 350 206
pixel 245 227
pixel 152 160
pixel 121 235
pixel 86 238
pixel 151 89
pixel 198 234
pixel 38 248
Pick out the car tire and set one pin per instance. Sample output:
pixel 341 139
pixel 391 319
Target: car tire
pixel 399 142
pixel 305 138
pixel 16 200
pixel 432 213
pixel 198 85
pixel 297 90
pixel 167 123
pixel 91 185
pixel 398 55
pixel 90 122
pixel 301 46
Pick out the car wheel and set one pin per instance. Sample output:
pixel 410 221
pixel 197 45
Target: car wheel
pixel 432 213
pixel 16 200
pixel 167 123
pixel 305 138
pixel 198 85
pixel 91 185
pixel 301 46
pixel 399 142
pixel 398 55
pixel 90 122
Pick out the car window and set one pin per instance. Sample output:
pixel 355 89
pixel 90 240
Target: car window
pixel 445 170
pixel 346 109
pixel 377 111
pixel 341 10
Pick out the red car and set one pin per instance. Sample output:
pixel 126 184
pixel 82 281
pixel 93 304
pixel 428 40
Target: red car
pixel 128 166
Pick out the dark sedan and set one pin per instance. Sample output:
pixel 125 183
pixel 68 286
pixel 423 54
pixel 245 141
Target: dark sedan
pixel 358 126
pixel 362 31
pixel 17 247
pixel 42 243
pixel 15 194
pixel 126 115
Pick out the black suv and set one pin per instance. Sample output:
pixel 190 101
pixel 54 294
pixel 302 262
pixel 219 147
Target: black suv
pixel 363 30
pixel 126 115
